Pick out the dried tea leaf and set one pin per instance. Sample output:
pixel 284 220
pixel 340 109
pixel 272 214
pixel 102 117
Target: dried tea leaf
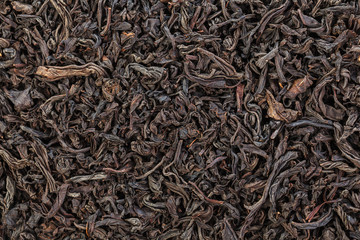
pixel 59 200
pixel 321 222
pixel 53 73
pixel 22 7
pixel 228 232
pixel 10 192
pixel 308 21
pixel 110 88
pixel 299 86
pixel 277 110
pixel 21 99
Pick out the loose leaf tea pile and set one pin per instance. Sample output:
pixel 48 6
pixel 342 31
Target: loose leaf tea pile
pixel 179 119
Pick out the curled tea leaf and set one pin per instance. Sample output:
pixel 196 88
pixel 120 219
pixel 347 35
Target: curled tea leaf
pixel 277 110
pixel 299 86
pixel 53 73
pixel 22 7
pixel 321 222
pixel 308 21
